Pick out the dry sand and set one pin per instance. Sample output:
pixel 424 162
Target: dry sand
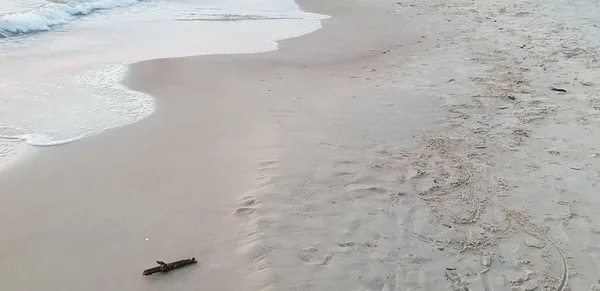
pixel 404 146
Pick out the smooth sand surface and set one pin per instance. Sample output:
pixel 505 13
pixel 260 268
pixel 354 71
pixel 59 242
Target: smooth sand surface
pixel 94 214
pixel 404 146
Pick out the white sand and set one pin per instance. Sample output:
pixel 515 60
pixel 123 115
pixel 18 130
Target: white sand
pixel 500 193
pixel 405 146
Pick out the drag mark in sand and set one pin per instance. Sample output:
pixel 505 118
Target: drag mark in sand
pixel 437 193
pixel 437 151
pixel 529 228
pixel 526 136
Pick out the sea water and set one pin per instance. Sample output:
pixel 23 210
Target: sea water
pixel 61 61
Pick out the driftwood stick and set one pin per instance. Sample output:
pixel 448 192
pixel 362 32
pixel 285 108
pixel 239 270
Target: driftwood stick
pixel 558 90
pixel 170 266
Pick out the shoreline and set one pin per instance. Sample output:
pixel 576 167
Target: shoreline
pixel 362 155
pixel 87 84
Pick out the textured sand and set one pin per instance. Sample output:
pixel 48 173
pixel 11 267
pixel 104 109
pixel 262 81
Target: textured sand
pixel 404 146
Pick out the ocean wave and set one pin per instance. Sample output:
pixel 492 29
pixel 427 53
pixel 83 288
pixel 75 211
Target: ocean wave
pixel 53 14
pixel 215 14
pixel 234 17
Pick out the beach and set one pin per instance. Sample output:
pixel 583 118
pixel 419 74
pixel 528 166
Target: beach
pixel 438 145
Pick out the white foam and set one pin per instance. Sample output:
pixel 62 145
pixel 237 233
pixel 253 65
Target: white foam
pixel 53 14
pixel 72 107
pixel 58 88
pixel 216 14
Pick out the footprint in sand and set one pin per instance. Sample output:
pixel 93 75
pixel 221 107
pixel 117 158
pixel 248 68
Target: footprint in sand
pixel 246 206
pixel 268 165
pixel 312 256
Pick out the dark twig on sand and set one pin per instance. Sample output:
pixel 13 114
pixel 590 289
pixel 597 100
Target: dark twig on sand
pixel 558 90
pixel 164 267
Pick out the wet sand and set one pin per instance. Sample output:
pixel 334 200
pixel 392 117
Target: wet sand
pixel 92 215
pixel 404 146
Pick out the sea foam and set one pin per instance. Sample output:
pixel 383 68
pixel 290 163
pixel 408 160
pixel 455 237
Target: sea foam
pixel 72 107
pixel 53 14
pixel 58 88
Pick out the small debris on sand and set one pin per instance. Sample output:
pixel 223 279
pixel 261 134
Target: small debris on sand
pixel 558 90
pixel 164 267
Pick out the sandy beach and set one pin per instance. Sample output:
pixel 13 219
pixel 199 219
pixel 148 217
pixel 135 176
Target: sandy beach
pixel 438 145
